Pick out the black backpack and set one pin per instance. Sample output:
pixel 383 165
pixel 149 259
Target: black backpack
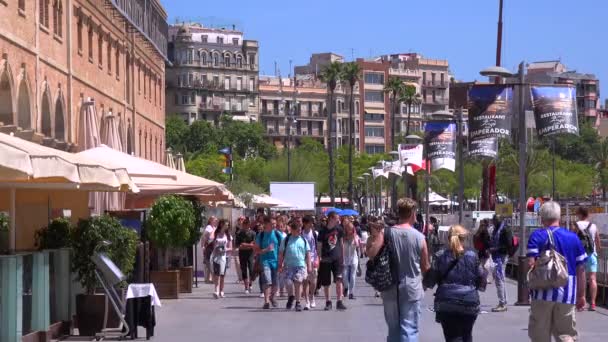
pixel 585 238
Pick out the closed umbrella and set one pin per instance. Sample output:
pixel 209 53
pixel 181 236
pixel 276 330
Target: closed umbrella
pixel 110 136
pixel 179 162
pixel 169 160
pixel 88 129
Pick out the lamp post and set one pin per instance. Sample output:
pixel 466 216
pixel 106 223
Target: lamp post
pixel 374 201
pixel 361 179
pixel 380 206
pixel 367 203
pixel 290 119
pixel 412 140
pixel 395 156
pixel 522 268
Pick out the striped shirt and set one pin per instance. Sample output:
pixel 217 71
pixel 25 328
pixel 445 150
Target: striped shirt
pixel 568 245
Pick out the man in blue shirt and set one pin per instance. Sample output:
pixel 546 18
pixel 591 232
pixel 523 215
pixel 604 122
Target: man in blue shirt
pixel 266 246
pixel 553 310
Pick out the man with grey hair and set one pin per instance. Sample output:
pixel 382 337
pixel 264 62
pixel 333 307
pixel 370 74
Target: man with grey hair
pixel 553 310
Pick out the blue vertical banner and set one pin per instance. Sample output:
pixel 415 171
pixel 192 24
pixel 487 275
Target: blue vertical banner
pixel 554 110
pixel 490 111
pixel 440 139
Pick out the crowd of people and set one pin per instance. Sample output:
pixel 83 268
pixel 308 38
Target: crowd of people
pixel 294 255
pixel 303 256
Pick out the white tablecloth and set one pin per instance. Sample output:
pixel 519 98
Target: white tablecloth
pixel 143 290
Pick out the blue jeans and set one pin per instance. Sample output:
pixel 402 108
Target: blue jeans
pixel 350 276
pixel 402 318
pixel 499 277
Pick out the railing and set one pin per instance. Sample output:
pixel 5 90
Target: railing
pixel 40 284
pixel 404 72
pixel 435 84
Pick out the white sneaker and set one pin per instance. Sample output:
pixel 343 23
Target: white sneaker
pixel 307 306
pixel 313 304
pixel 247 291
pixel 261 295
pixel 222 294
pixel 216 295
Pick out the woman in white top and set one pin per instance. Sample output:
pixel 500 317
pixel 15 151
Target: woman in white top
pixel 222 245
pixel 351 257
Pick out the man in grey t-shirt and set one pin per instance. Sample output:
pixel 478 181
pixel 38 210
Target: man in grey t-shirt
pixel 402 303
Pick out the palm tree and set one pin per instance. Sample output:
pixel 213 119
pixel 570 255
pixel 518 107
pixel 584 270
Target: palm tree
pixel 410 97
pixel 393 87
pixel 351 73
pixel 331 74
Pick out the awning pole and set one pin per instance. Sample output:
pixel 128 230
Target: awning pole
pixel 12 215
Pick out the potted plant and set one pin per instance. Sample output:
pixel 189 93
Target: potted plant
pixel 86 239
pixel 4 232
pixel 168 226
pixel 186 270
pixel 55 236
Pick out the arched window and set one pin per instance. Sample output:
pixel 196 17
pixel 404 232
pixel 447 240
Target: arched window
pixel 24 108
pixel 216 59
pixel 59 120
pixel 45 114
pixel 203 58
pixel 227 59
pixel 6 97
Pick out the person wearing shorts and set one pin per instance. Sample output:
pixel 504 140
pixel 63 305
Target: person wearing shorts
pixel 222 245
pixel 266 246
pixel 310 284
pixel 331 250
pixel 245 242
pixel 294 263
pixel 591 264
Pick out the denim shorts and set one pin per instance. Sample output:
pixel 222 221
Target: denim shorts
pixel 268 277
pixel 591 265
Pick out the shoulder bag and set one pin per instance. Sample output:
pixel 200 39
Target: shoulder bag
pixel 550 269
pixel 379 273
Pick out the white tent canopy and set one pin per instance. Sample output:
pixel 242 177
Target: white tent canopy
pixel 265 201
pixel 435 198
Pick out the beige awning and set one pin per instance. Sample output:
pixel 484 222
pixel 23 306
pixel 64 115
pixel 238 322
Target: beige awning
pixel 374 111
pixel 155 179
pixel 23 162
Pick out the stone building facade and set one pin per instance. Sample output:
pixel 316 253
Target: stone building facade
pixel 214 72
pixel 56 54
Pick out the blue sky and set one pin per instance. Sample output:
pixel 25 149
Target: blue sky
pixel 461 31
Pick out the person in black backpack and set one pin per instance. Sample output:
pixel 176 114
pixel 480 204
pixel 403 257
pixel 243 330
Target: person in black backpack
pixel 501 248
pixel 589 236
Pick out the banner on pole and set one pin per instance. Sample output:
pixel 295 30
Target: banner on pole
pixel 554 110
pixel 441 143
pixel 490 111
pixel 411 155
pixel 484 148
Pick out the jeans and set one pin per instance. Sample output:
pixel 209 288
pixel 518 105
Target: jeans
pixel 499 277
pixel 350 276
pixel 456 327
pixel 401 317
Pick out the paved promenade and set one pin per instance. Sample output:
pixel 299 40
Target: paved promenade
pixel 238 317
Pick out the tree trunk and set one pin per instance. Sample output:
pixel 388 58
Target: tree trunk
pixel 406 177
pixel 393 148
pixel 330 149
pixel 350 146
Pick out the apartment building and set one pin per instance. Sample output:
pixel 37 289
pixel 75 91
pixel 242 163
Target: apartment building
pixel 431 79
pixel 587 85
pixel 55 55
pixel 215 71
pixel 301 105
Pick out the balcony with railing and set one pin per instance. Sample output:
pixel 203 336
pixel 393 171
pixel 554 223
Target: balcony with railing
pixel 404 72
pixel 435 84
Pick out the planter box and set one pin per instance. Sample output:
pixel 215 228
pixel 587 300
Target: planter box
pixel 185 279
pixel 166 283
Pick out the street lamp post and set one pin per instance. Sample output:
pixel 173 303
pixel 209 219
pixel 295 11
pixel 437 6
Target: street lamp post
pixel 523 297
pixel 395 155
pixel 367 203
pixel 460 166
pixel 410 140
pixel 291 119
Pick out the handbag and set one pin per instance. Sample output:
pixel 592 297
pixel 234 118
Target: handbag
pixel 379 273
pixel 550 269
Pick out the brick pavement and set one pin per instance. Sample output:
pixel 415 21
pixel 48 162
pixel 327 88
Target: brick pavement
pixel 198 317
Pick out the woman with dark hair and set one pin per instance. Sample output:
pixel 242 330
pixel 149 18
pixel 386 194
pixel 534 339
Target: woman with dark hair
pixel 245 242
pixel 222 245
pixel 482 242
